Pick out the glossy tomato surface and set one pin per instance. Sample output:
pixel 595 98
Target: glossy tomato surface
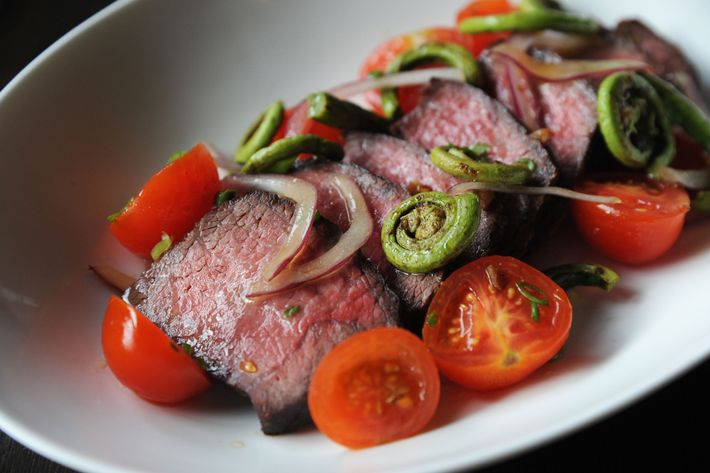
pixel 145 360
pixel 375 387
pixel 482 329
pixel 171 202
pixel 642 227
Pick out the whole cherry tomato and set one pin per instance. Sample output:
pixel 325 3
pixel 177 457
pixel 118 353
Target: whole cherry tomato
pixel 145 360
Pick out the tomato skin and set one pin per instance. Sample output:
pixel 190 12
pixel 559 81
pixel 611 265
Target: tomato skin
pixel 171 201
pixel 383 54
pixel 297 122
pixel 641 228
pixel 145 360
pixel 384 369
pixel 485 338
pixel 484 7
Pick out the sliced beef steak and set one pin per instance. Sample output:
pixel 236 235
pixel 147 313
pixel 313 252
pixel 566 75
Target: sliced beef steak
pixel 462 115
pixel 415 290
pixel 568 110
pixel 196 294
pixel 665 58
pixel 402 162
pixel 409 165
pixel 634 40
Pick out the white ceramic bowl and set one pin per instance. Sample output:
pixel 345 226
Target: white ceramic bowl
pixel 87 122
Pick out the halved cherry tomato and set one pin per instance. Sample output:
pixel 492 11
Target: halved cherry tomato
pixel 383 54
pixel 641 228
pixel 484 329
pixel 380 58
pixel 170 202
pixel 375 387
pixel 145 360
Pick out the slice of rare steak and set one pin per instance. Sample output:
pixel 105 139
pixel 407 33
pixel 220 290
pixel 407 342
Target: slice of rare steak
pixel 266 348
pixel 632 39
pixel 414 290
pixel 463 115
pixel 565 113
pixel 666 58
pixel 409 165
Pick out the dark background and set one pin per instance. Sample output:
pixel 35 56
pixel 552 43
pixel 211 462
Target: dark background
pixel 669 429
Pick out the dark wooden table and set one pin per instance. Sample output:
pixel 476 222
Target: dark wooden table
pixel 667 429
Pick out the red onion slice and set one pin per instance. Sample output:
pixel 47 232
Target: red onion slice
pixel 568 69
pixel 303 193
pixel 547 190
pixel 696 179
pixel 523 98
pixel 416 77
pixel 360 230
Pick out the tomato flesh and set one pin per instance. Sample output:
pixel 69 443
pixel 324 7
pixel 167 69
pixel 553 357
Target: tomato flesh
pixel 171 202
pixel 641 228
pixel 381 57
pixel 145 360
pixel 480 327
pixel 375 387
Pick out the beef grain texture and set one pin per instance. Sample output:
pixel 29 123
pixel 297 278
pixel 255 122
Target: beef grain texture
pixel 414 290
pixel 567 109
pixel 463 115
pixel 406 164
pixel 196 294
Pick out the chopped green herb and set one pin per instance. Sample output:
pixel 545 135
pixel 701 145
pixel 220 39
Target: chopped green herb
pixel 480 149
pixel 292 310
pixel 161 247
pixel 317 216
pixel 535 312
pixel 525 289
pixel 176 155
pixel 223 197
pixel 187 348
pixel 432 319
pixel 112 218
pixel 190 350
pixel 701 202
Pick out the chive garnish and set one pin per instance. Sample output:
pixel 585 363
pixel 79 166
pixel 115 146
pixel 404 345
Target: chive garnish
pixel 535 312
pixel 161 247
pixel 480 149
pixel 176 155
pixel 525 289
pixel 432 319
pixel 292 310
pixel 190 350
pixel 223 197
pixel 114 216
